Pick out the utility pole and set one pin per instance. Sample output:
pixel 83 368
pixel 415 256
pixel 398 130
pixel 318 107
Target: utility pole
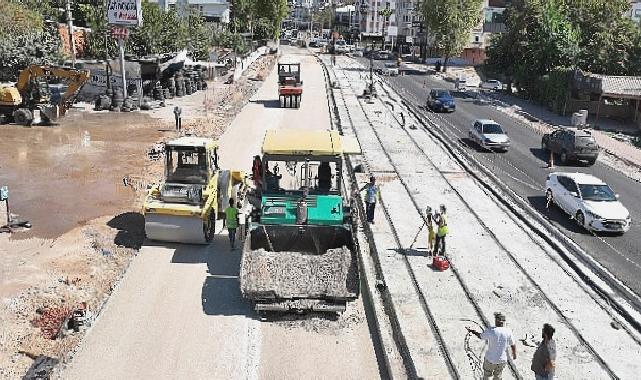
pixel 72 46
pixel 121 47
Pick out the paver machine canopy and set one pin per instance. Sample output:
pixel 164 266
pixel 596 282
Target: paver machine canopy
pixel 290 86
pixel 300 253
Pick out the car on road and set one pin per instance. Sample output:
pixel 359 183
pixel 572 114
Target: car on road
pixel 390 69
pixel 492 84
pixel 341 47
pixel 441 101
pixel 357 53
pixel 489 134
pixel 382 55
pixel 587 199
pixel 571 144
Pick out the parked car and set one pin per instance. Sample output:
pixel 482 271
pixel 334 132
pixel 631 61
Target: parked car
pixel 357 53
pixel 489 134
pixel 492 84
pixel 590 201
pixel 441 100
pixel 313 42
pixel 571 144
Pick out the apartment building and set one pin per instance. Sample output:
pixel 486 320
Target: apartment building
pixel 211 10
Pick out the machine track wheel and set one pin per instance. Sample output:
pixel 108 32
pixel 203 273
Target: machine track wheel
pixel 23 117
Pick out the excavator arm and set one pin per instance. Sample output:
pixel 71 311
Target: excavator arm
pixel 75 79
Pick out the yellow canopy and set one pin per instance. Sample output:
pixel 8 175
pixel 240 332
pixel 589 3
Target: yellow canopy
pixel 309 142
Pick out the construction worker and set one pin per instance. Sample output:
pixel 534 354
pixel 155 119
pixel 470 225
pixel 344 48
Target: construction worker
pixel 231 222
pixel 324 176
pixel 177 112
pixel 498 339
pixel 543 361
pixel 257 172
pixel 431 234
pixel 371 194
pixel 441 231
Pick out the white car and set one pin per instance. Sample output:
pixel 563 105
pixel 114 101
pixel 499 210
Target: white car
pixel 489 134
pixel 492 84
pixel 390 69
pixel 590 201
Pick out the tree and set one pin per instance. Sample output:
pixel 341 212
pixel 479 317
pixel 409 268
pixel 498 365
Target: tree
pixel 450 22
pixel 25 39
pixel 274 10
pixel 607 37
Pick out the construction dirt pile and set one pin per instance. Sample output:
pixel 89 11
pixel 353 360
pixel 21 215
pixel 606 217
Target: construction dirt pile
pixel 296 275
pixel 69 181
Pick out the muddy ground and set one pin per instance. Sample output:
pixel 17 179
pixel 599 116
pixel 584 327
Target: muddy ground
pixel 67 180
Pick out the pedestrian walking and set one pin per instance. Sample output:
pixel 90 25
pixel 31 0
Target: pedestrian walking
pixel 544 359
pixel 498 339
pixel 371 194
pixel 440 218
pixel 177 112
pixel 231 222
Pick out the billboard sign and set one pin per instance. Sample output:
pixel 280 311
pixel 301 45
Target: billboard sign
pixel 125 12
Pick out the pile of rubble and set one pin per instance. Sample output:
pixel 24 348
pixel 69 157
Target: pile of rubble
pixel 295 275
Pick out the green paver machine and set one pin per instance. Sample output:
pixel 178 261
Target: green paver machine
pixel 300 254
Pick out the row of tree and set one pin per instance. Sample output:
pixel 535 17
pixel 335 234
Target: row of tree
pixel 547 39
pixel 28 30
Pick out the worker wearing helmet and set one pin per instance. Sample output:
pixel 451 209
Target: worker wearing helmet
pixel 440 218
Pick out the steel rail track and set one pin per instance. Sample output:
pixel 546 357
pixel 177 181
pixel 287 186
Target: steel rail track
pixel 557 310
pixel 432 320
pixel 628 294
pixel 470 162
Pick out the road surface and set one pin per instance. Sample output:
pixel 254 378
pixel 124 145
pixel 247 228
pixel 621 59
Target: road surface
pixel 178 312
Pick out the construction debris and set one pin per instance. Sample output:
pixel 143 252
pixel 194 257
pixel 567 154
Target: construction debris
pixel 301 275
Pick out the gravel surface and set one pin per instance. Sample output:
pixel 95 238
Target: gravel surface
pixel 297 275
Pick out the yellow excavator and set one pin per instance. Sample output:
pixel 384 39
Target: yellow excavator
pixel 19 102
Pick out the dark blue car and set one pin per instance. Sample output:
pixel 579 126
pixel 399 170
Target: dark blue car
pixel 441 101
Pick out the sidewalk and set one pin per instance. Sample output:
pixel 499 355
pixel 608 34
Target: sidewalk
pixel 497 263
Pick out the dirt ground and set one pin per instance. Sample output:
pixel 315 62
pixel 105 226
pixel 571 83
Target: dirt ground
pixel 67 180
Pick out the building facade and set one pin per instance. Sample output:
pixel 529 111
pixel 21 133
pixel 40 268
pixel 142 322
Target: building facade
pixel 211 10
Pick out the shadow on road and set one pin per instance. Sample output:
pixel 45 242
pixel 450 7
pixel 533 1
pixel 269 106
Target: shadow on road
pixel 271 103
pixel 221 288
pixel 555 214
pixel 540 154
pixel 131 229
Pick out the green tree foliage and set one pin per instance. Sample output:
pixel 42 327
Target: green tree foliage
pixel 256 14
pixel 450 23
pixel 161 32
pixel 545 39
pixel 25 39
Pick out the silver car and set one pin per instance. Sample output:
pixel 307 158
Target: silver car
pixel 489 134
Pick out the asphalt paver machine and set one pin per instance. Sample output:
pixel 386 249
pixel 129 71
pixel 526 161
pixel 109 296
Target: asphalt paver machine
pixel 300 255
